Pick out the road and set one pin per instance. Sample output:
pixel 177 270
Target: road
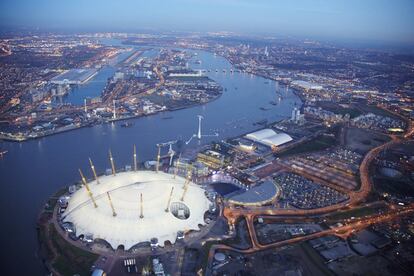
pixel 340 231
pixel 233 213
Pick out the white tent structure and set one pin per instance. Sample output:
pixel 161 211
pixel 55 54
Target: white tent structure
pixel 127 228
pixel 269 137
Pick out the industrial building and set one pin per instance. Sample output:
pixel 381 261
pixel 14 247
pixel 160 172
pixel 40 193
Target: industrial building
pixel 211 159
pixel 269 137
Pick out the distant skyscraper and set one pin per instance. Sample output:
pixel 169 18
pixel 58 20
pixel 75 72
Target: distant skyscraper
pixel 294 112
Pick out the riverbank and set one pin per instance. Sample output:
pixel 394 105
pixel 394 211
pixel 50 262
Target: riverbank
pixel 47 163
pixel 23 138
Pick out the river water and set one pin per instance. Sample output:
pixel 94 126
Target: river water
pixel 32 171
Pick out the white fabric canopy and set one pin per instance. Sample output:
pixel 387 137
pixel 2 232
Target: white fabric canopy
pixel 269 137
pixel 127 228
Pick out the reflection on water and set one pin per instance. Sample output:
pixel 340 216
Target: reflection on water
pixel 33 170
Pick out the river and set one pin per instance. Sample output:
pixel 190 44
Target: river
pixel 33 170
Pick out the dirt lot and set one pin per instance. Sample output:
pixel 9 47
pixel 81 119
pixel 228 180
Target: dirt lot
pixel 362 140
pixel 358 265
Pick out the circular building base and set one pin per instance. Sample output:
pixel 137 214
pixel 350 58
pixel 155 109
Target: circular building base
pixel 122 219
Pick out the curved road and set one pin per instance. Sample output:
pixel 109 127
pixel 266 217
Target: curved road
pixel 233 214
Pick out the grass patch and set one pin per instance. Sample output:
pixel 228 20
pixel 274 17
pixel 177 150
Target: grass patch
pixel 341 109
pixel 70 259
pixel 357 212
pixel 377 111
pixel 398 187
pixel 51 203
pixel 41 234
pixel 204 253
pixel 316 259
pixel 242 238
pixel 317 144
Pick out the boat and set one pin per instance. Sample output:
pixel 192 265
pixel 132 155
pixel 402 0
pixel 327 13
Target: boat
pixel 167 117
pixel 127 124
pixel 264 108
pixel 261 122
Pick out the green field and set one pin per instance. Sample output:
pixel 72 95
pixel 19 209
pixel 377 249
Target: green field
pixel 316 259
pixel 70 259
pixel 333 107
pixel 377 111
pixel 317 144
pixel 357 212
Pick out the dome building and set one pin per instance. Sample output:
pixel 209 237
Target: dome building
pixel 131 207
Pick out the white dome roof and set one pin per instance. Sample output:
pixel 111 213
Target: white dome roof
pixel 127 228
pixel 269 137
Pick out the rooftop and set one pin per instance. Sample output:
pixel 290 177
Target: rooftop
pixel 127 228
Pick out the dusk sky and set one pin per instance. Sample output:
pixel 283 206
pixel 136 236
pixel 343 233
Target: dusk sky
pixel 377 20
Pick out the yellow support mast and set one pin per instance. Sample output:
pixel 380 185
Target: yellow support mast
pixel 112 163
pixel 169 200
pixel 110 203
pixel 158 158
pixel 87 188
pixel 187 182
pixel 94 172
pixel 135 159
pixel 142 209
pixel 177 164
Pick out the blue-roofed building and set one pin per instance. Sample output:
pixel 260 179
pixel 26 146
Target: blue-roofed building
pixel 261 194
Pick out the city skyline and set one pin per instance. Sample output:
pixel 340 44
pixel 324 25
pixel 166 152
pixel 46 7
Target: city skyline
pixel 195 137
pixel 376 22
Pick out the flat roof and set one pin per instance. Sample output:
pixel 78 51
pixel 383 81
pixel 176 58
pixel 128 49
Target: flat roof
pixel 74 75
